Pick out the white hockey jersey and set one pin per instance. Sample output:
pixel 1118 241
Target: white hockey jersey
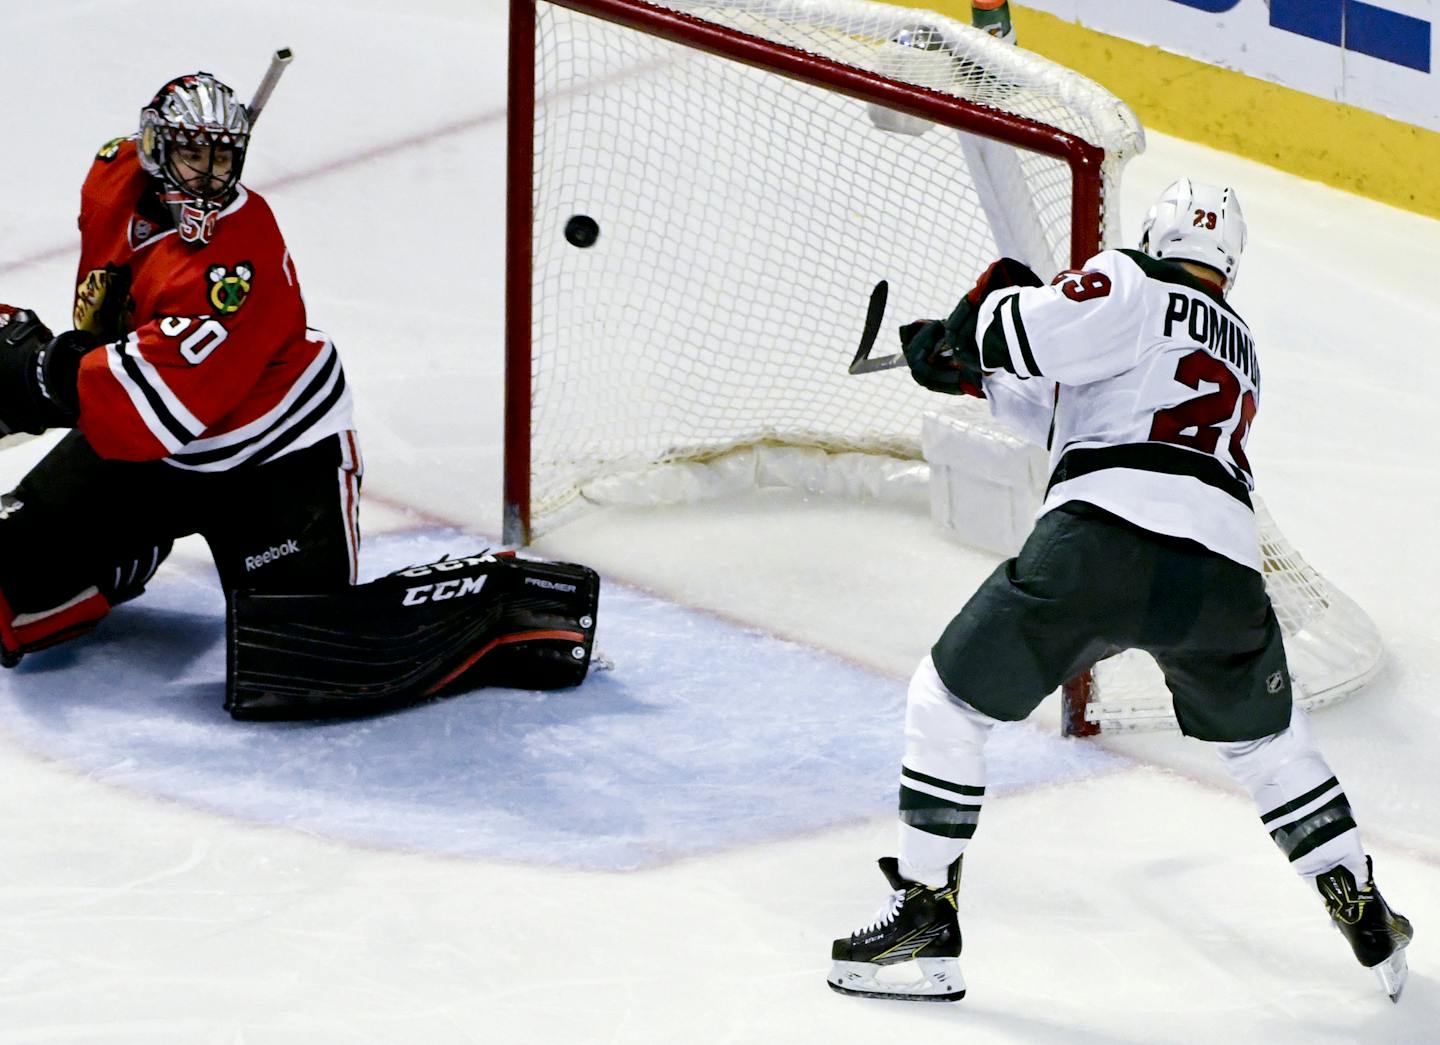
pixel 1143 382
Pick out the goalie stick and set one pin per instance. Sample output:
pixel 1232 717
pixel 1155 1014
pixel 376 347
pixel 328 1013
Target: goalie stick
pixel 278 61
pixel 862 363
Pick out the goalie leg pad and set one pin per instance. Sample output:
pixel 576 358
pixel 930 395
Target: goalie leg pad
pixel 22 633
pixel 421 632
pixel 70 617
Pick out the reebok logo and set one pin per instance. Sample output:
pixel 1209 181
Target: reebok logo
pixel 270 554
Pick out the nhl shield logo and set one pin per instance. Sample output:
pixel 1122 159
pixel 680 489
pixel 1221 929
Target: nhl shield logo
pixel 1275 683
pixel 230 288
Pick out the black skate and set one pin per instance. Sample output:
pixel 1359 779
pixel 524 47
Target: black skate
pixel 911 951
pixel 1377 935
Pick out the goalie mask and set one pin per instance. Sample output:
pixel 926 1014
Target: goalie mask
pixel 193 136
pixel 1192 221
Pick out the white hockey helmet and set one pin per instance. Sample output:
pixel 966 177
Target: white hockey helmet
pixel 1192 221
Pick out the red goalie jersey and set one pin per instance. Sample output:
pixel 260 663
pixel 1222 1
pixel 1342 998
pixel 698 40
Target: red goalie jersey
pixel 206 360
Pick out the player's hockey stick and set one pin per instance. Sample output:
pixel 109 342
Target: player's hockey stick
pixel 862 363
pixel 278 61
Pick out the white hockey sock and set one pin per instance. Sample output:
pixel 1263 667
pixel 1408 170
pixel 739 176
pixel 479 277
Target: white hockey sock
pixel 942 780
pixel 1300 801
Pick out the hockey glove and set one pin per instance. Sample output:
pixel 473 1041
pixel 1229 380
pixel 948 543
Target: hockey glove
pixel 1007 272
pixel 948 360
pixel 938 362
pixel 57 374
pixel 22 335
pixel 38 373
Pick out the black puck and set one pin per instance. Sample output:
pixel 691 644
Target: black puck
pixel 581 230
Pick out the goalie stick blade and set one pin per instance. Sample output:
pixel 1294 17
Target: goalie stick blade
pixel 873 316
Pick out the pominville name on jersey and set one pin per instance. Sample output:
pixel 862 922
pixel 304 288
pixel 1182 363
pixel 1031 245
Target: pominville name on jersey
pixel 1214 328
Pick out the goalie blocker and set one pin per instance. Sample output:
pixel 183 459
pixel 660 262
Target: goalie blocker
pixel 483 620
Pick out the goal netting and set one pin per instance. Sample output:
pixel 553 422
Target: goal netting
pixel 744 216
pixel 702 196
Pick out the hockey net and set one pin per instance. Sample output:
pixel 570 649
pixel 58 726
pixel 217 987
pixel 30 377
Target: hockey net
pixel 753 168
pixel 753 172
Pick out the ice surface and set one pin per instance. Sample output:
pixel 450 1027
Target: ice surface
pixel 692 742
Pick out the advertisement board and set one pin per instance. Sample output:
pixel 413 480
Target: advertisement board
pixel 1372 55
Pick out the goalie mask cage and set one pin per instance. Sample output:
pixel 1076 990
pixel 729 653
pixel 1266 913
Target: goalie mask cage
pixel 753 168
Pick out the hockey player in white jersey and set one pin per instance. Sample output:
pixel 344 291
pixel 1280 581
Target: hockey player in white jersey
pixel 1143 381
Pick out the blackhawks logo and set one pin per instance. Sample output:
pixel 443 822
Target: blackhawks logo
pixel 103 305
pixel 229 288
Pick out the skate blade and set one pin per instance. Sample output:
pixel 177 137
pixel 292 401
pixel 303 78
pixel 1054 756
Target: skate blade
pixel 924 979
pixel 1392 973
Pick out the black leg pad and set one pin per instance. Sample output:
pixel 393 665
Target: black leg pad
pixel 421 632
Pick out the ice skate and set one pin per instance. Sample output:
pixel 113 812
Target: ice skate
pixel 1377 934
pixel 911 951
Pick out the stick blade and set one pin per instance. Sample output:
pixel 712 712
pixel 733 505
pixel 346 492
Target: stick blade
pixel 877 364
pixel 874 315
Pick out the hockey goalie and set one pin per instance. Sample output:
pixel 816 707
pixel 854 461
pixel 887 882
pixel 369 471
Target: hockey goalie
pixel 196 399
